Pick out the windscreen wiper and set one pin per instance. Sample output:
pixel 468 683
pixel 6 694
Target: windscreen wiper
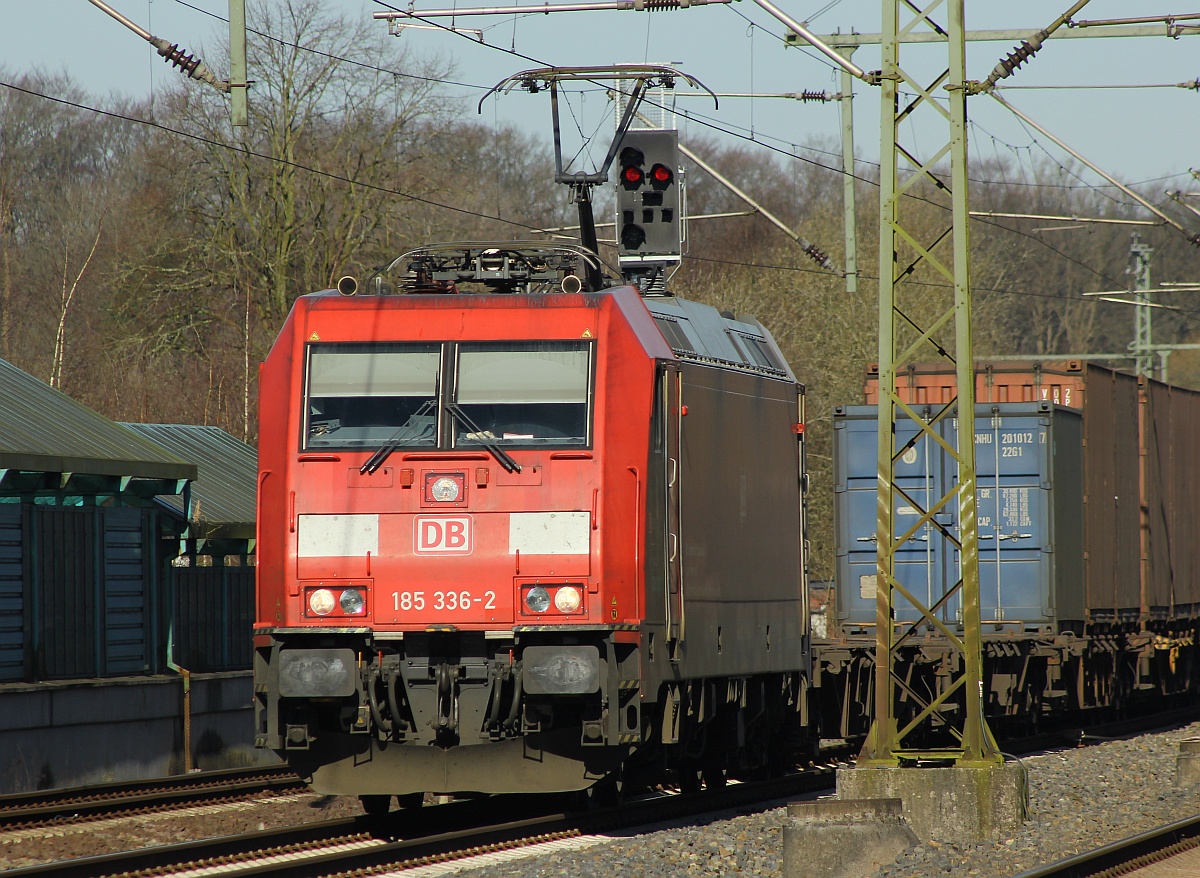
pixel 484 438
pixel 408 431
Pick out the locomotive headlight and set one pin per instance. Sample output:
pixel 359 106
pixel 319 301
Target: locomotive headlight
pixel 445 489
pixel 352 601
pixel 567 599
pixel 537 599
pixel 321 602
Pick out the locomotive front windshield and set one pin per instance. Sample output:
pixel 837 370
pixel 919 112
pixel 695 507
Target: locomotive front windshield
pixel 524 393
pixel 362 395
pixel 517 394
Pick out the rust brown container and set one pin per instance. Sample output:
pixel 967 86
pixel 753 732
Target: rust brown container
pixel 1111 498
pixel 1141 501
pixel 1170 425
pixel 933 383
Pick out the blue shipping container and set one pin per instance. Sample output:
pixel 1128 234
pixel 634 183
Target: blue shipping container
pixel 1029 462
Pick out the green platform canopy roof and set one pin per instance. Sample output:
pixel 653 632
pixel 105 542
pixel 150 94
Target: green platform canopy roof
pixel 42 430
pixel 223 495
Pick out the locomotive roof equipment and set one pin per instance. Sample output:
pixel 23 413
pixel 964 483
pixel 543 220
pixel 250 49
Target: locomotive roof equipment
pixel 508 267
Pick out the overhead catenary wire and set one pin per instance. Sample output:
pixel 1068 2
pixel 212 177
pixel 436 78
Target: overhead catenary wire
pixel 1192 84
pixel 726 130
pixel 715 126
pixel 698 118
pixel 1189 314
pixel 1192 237
pixel 332 57
pixel 244 150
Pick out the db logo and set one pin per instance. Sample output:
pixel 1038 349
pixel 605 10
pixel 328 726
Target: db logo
pixel 443 536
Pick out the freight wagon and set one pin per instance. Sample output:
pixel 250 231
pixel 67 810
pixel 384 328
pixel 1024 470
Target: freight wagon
pixel 1088 519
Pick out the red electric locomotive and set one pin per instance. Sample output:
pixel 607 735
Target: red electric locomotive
pixel 529 538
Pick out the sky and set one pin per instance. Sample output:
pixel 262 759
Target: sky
pixel 1141 135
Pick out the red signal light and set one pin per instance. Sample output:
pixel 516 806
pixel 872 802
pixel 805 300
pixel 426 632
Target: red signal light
pixel 661 176
pixel 632 176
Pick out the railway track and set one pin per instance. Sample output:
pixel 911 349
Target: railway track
pixel 1098 732
pixel 1127 855
pixel 419 836
pixel 99 801
pixel 407 839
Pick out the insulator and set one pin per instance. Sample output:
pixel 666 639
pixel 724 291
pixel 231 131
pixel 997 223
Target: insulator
pixel 807 96
pixel 1017 57
pixel 659 5
pixel 181 59
pixel 819 257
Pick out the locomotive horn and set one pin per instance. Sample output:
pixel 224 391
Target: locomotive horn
pixel 348 285
pixel 571 284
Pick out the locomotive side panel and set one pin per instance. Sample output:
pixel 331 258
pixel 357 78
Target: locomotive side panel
pixel 744 600
pixel 274 455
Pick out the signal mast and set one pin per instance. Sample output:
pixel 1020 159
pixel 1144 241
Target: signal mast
pixel 649 205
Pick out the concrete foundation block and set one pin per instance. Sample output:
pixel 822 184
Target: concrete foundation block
pixel 1187 763
pixel 955 804
pixel 835 838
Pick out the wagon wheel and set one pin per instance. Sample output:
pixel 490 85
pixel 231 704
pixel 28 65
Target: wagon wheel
pixel 690 780
pixel 376 806
pixel 1033 712
pixel 606 793
pixel 691 777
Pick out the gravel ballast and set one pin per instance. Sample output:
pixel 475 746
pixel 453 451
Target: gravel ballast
pixel 1079 799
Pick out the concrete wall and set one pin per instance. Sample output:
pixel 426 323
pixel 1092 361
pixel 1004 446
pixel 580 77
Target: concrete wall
pixel 79 732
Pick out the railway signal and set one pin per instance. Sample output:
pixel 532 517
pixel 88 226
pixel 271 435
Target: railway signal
pixel 654 205
pixel 648 198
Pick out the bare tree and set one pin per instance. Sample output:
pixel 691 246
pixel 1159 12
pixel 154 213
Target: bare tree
pixel 67 295
pixel 57 180
pixel 320 169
